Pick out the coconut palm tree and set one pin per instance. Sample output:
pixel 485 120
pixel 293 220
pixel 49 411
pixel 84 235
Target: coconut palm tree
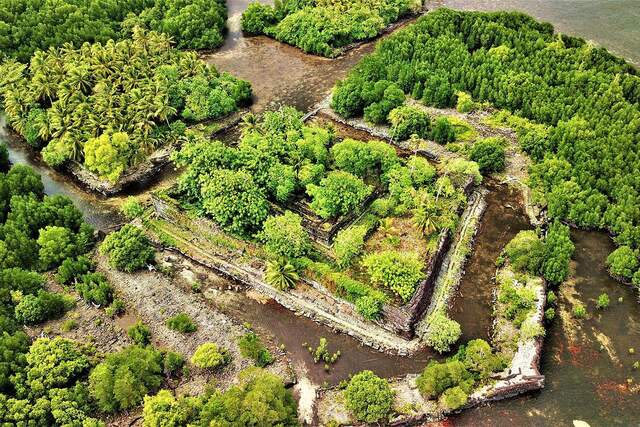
pixel 281 274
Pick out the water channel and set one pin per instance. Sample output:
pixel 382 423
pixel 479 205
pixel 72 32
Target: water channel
pixel 588 364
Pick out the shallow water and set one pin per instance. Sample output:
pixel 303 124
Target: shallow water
pixel 582 381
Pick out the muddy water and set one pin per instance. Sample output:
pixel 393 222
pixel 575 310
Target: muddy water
pixel 280 74
pixel 502 220
pixel 586 362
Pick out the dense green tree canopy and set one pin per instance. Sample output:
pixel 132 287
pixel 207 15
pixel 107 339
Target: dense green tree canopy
pixel 30 25
pixel 324 27
pixel 582 103
pixel 112 104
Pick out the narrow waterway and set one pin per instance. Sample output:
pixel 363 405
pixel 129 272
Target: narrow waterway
pixel 587 362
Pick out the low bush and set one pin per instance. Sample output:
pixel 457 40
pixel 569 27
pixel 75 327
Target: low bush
pixel 94 288
pixel 442 333
pixel 284 236
pixel 128 249
pixel 407 120
pixel 440 376
pixel 489 154
pixel 122 380
pixel 72 269
pixel 369 398
pixel 210 356
pixel 139 333
pixel 443 131
pixel 251 346
pixel 34 309
pixel 338 194
pixel 603 301
pixel 398 272
pixel 132 208
pixel 348 244
pixel 181 322
pixel 579 311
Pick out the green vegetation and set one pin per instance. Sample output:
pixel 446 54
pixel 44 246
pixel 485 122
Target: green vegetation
pixel 181 322
pixel 251 346
pixel 325 27
pixel 110 105
pixel 131 208
pixel 580 102
pixel 139 333
pixel 322 354
pixel 452 381
pixel 281 274
pixel 488 153
pixel 128 249
pixel 579 311
pixel 399 272
pixel 210 356
pixel 443 332
pixel 369 398
pixel 124 378
pixel 407 120
pixel 34 309
pixel 259 399
pixel 313 181
pixel 284 236
pixel 603 301
pixel 31 25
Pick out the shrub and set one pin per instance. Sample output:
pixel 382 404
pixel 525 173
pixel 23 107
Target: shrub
pixel 55 363
pixel 140 333
pixel 460 169
pixel 181 322
pixel 579 311
pixel 603 301
pixel 349 243
pixel 36 309
pixel 421 171
pixel 210 356
pixel 256 18
pixel 128 249
pixel 551 298
pixel 108 155
pixel 489 154
pixel 442 333
pixel 479 358
pixel 399 272
pixel 56 244
pixel 443 131
pixel 369 397
pixel 116 307
pixel 284 236
pixel 623 262
pixel 122 380
pixel 172 363
pixel 251 347
pixel 234 201
pixel 338 194
pixel 550 314
pixel 260 399
pixel 164 410
pixel 407 120
pixel 378 112
pixel 72 269
pixel 525 252
pixel 465 103
pixel 281 274
pixel 95 288
pixel 439 376
pixel 454 398
pixel 131 208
